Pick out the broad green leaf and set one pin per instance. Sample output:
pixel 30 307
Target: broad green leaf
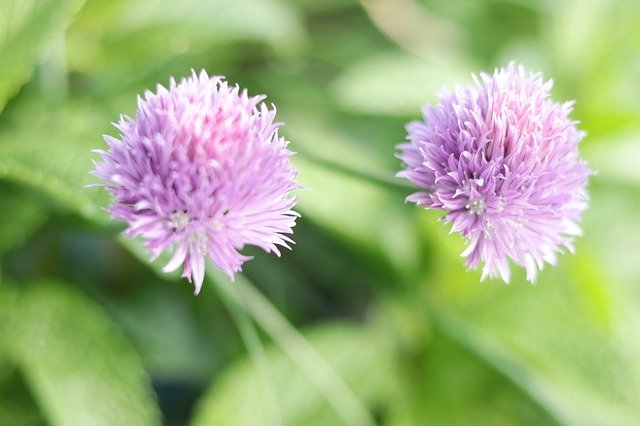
pixel 17 407
pixel 396 84
pixel 25 29
pixel 22 214
pixel 77 364
pixel 51 151
pixel 356 353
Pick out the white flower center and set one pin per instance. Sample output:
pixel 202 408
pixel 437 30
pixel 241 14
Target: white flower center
pixel 476 205
pixel 178 220
pixel 198 242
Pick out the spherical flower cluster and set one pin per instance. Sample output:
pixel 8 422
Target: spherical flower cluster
pixel 202 171
pixel 501 158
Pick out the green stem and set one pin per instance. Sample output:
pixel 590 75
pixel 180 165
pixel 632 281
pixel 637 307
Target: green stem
pixel 251 339
pixel 381 180
pixel 345 403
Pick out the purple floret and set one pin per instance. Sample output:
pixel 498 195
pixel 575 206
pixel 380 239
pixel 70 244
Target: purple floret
pixel 501 158
pixel 201 171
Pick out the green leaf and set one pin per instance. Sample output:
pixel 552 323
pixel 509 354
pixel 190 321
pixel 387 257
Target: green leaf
pixel 147 40
pixel 51 151
pixel 569 341
pixel 17 407
pixel 178 346
pixel 356 353
pixel 22 214
pixel 25 28
pixel 272 20
pixel 592 44
pixel 76 362
pixel 396 84
pixel 137 248
pixel 451 386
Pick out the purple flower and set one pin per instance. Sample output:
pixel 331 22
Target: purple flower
pixel 501 158
pixel 201 170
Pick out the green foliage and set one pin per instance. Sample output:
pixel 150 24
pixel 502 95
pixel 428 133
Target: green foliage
pixel 25 29
pixel 358 354
pixel 61 173
pixel 372 315
pixel 79 367
pixel 23 215
pixel 395 84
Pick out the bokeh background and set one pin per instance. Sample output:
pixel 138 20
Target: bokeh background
pixel 372 317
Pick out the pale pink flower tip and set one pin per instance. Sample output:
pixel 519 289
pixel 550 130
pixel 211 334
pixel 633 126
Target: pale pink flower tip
pixel 201 171
pixel 501 158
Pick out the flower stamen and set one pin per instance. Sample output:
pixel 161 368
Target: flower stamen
pixel 476 205
pixel 178 220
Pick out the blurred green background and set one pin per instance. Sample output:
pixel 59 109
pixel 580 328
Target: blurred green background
pixel 91 334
